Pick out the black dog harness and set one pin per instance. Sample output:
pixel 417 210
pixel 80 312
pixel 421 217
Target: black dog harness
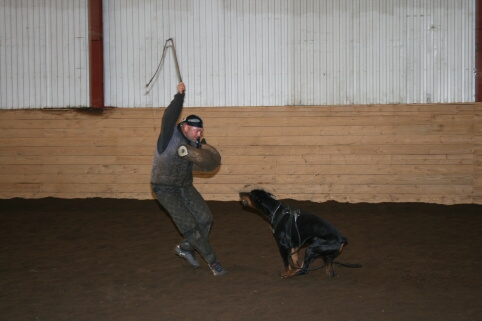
pixel 285 211
pixel 293 217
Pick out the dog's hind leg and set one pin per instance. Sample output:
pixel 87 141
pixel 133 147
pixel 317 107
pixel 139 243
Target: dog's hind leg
pixel 328 257
pixel 328 266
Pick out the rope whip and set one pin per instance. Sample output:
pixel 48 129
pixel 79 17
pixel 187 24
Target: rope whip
pixel 161 62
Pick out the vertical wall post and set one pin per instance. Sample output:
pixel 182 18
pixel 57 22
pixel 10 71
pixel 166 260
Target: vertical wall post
pixel 478 50
pixel 96 54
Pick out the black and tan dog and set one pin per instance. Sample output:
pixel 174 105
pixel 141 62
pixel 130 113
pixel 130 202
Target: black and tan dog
pixel 292 228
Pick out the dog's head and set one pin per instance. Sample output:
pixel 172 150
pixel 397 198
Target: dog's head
pixel 260 200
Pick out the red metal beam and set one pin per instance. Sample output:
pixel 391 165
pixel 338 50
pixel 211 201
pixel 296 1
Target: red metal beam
pixel 96 54
pixel 478 50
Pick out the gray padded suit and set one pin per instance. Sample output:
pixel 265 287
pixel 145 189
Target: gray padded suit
pixel 172 182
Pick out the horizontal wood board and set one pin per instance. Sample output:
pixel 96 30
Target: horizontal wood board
pixel 367 153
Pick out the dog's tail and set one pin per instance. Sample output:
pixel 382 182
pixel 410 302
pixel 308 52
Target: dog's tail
pixel 349 265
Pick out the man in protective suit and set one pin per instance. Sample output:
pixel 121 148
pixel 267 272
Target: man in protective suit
pixel 178 152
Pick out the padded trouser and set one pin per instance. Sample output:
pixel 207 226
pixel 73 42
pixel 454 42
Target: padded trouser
pixel 191 215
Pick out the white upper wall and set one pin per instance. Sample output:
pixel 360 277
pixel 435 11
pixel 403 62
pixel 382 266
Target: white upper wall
pixel 43 54
pixel 241 52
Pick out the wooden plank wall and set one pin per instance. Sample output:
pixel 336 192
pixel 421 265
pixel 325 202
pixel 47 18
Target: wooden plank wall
pixel 376 153
pixel 478 154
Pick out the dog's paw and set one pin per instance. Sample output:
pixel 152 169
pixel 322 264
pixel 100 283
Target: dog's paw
pixel 287 274
pixel 284 275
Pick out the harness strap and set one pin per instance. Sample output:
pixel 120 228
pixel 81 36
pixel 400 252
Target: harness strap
pixel 274 223
pixel 287 210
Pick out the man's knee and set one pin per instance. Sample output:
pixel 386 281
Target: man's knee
pixel 193 236
pixel 205 228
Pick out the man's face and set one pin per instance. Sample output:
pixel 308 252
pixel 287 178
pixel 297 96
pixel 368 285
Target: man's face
pixel 191 133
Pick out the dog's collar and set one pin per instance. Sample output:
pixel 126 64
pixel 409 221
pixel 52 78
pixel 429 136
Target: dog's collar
pixel 286 210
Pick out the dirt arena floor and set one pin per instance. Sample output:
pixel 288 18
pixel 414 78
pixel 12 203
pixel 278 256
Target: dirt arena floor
pixel 105 259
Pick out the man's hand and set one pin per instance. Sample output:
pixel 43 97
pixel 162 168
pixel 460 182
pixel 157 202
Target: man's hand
pixel 181 88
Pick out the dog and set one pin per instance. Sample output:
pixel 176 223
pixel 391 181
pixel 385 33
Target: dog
pixel 292 228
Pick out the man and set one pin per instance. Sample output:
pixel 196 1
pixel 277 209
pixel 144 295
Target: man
pixel 172 181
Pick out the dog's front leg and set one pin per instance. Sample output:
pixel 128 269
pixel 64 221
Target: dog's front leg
pixel 285 256
pixel 295 263
pixel 291 262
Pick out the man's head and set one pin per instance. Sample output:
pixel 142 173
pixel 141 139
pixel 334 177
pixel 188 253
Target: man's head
pixel 192 127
